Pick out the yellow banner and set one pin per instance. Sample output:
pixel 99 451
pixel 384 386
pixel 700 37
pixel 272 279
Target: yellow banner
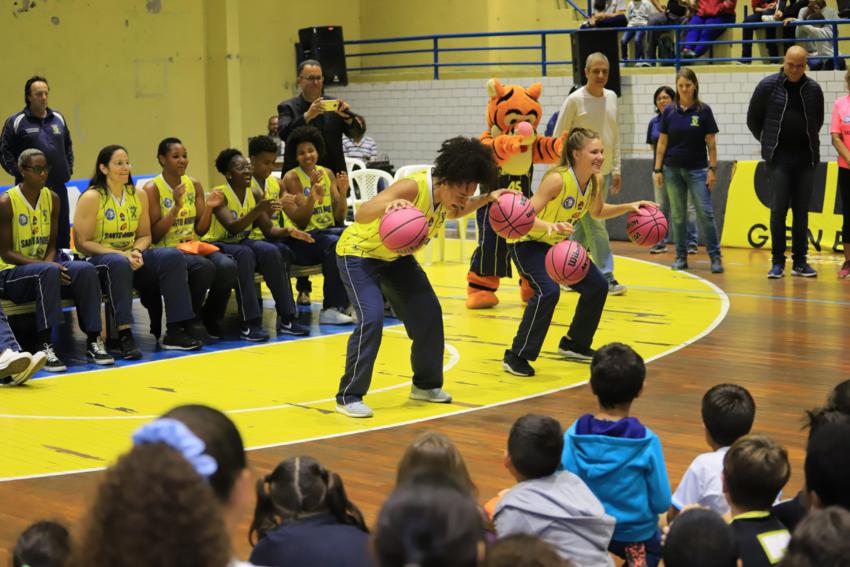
pixel 747 221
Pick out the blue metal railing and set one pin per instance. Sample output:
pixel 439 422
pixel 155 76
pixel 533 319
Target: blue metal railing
pixel 435 46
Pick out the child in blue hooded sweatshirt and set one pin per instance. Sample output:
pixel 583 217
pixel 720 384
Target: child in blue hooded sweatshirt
pixel 619 458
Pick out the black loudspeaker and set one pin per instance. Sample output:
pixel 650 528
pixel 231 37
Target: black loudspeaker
pixel 585 42
pixel 325 44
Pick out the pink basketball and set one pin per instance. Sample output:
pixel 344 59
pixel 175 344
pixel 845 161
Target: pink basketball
pixel 512 215
pixel 567 262
pixel 404 230
pixel 646 227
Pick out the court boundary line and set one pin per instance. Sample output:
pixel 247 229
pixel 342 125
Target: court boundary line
pixel 724 310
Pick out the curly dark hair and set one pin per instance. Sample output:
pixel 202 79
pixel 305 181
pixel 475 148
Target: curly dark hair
pixel 462 160
pixel 152 508
pixel 222 161
pixel 299 136
pixel 261 144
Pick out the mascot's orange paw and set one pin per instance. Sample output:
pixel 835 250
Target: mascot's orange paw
pixel 480 299
pixel 526 292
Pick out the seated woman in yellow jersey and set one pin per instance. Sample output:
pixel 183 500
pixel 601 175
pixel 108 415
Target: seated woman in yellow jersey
pixel 230 230
pixel 319 206
pixel 112 229
pixel 274 228
pixel 31 269
pixel 180 215
pixel 368 267
pixel 566 194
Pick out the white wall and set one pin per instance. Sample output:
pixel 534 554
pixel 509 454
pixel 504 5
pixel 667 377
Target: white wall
pixel 409 119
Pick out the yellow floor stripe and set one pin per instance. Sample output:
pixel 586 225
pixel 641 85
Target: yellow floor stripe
pixel 282 393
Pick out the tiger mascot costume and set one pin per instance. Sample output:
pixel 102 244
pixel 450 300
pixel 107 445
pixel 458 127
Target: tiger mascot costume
pixel 509 106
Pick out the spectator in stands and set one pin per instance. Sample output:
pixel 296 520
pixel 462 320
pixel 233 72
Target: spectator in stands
pixel 840 131
pixel 827 463
pixel 754 471
pixel 33 269
pixel 619 458
pixel 637 14
pixel 274 134
pixel 180 215
pixel 788 11
pixel 523 550
pixel 763 11
pixel 820 52
pixel 230 229
pixel 319 205
pixel 663 98
pixel 362 148
pixel 304 518
pixel 785 115
pixel 40 127
pixel 688 129
pixel 607 14
pixel 594 107
pixel 676 12
pixel 42 544
pixel 708 12
pixel 728 411
pixel 700 538
pixel 555 506
pixel 308 109
pixel 430 522
pixel 16 366
pixel 822 539
pixel 232 481
pixel 112 229
pixel 155 505
pixel 272 229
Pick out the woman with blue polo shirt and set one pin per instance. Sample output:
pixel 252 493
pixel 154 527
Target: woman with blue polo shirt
pixel 687 129
pixel 663 98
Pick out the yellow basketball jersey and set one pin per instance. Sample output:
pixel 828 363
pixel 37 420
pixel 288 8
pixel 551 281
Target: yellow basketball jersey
pixel 271 190
pixel 183 228
pixel 323 211
pixel 116 222
pixel 30 226
pixel 364 240
pixel 217 232
pixel 570 205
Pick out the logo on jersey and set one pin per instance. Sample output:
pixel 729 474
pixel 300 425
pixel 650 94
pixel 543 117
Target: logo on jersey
pixel 191 198
pixel 846 119
pixel 234 215
pixel 23 219
pixel 110 214
pixel 167 202
pixel 569 202
pixel 56 129
pixel 580 206
pixel 306 191
pixel 133 214
pixel 694 120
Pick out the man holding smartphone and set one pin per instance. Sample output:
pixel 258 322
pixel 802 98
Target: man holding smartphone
pixel 333 118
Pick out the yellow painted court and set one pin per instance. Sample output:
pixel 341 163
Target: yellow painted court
pixel 284 392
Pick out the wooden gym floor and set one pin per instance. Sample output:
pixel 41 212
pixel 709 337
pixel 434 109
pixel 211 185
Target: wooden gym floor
pixel 784 340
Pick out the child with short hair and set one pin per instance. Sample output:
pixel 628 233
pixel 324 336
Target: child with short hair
pixel 637 14
pixel 728 411
pixel 755 469
pixel 619 458
pixel 827 463
pixel 700 538
pixel 556 506
pixel 42 544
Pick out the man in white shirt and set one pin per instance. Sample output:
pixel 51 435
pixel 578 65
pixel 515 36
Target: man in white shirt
pixel 595 107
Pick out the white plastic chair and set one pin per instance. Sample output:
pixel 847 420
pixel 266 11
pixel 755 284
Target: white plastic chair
pixel 367 181
pixel 406 170
pixel 353 163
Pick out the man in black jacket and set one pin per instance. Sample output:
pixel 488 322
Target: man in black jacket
pixel 786 115
pixel 308 109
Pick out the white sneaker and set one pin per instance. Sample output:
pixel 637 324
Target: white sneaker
pixel 351 313
pixel 433 395
pixel 333 316
pixel 355 409
pixel 13 364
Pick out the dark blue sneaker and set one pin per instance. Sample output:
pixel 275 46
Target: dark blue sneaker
pixel 803 270
pixel 292 327
pixel 254 333
pixel 776 271
pixel 680 263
